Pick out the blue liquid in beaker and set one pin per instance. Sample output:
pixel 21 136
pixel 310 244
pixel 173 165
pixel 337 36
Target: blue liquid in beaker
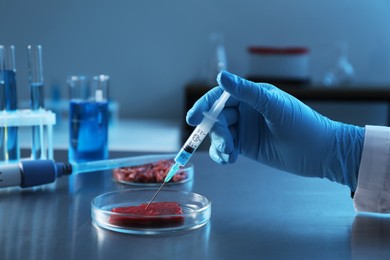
pixel 88 126
pixel 9 149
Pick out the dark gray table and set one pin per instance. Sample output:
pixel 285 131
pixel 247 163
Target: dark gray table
pixel 257 213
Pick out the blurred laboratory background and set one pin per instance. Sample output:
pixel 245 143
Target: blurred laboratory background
pixel 154 50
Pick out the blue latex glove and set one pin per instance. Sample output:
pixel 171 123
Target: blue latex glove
pixel 268 125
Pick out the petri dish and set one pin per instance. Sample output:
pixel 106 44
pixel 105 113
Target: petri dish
pixel 147 173
pixel 196 211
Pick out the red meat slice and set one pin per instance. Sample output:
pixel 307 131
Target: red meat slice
pixel 148 173
pixel 152 217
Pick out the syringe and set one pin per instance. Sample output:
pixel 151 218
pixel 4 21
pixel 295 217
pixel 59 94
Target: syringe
pixel 195 139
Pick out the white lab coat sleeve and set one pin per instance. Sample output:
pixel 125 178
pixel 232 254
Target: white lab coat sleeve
pixel 373 187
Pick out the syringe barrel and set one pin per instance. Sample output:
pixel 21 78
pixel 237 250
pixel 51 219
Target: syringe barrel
pixel 195 139
pixel 217 107
pixel 201 130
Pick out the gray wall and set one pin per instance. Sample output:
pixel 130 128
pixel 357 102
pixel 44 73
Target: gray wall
pixel 151 49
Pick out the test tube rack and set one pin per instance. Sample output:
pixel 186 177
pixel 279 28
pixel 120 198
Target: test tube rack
pixel 44 119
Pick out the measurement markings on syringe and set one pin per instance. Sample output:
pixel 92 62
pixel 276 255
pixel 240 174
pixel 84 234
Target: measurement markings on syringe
pixel 195 140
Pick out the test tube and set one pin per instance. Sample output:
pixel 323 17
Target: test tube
pixel 9 147
pixel 3 146
pixel 37 97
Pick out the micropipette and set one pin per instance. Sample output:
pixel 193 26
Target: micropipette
pixel 195 139
pixel 29 173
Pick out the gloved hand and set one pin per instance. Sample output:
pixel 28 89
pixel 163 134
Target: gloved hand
pixel 268 125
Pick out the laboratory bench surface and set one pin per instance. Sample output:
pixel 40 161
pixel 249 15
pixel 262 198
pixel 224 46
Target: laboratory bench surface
pixel 257 213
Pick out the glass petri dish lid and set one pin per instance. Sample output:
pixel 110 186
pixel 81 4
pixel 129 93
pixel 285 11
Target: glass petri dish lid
pixel 172 211
pixel 147 173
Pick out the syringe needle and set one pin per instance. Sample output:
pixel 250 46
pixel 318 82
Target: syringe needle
pixel 154 196
pixel 170 174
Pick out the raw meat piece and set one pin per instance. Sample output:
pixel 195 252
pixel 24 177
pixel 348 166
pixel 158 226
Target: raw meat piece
pixel 152 217
pixel 148 173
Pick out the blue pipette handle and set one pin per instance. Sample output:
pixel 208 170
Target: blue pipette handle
pixel 30 173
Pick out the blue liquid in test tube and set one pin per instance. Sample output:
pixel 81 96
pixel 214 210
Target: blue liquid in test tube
pixel 9 148
pixel 37 96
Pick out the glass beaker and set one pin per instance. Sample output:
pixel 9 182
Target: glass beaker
pixel 88 118
pixel 342 73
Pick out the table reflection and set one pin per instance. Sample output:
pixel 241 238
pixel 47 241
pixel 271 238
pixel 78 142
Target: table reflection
pixel 35 215
pixel 371 237
pixel 133 246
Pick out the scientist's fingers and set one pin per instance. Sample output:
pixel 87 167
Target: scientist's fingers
pixel 195 114
pixel 262 97
pixel 229 116
pixel 222 149
pixel 222 158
